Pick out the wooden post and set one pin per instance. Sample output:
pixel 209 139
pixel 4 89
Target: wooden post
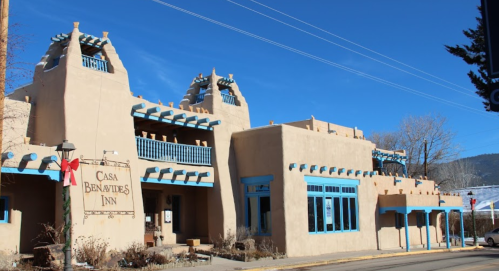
pixel 4 28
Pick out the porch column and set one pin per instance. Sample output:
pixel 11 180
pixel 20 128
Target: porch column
pixel 404 168
pixel 427 219
pixel 462 227
pixel 447 238
pixel 407 243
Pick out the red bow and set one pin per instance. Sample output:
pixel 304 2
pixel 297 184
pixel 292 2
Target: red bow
pixel 68 167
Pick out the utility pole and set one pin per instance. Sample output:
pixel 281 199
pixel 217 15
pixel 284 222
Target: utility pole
pixel 4 28
pixel 425 158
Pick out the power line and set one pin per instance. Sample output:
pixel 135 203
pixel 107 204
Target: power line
pixel 358 45
pixel 353 51
pixel 331 63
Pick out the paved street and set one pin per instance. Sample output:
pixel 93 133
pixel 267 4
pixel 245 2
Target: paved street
pixel 486 259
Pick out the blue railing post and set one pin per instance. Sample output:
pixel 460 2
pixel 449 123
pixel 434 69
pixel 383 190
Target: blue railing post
pixel 228 99
pixel 172 152
pixel 94 63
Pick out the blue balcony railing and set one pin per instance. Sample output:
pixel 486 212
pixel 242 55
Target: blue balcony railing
pixel 226 98
pixel 229 99
pixel 200 97
pixel 171 152
pixel 94 63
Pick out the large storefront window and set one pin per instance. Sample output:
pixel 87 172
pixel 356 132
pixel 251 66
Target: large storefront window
pixel 332 205
pixel 257 195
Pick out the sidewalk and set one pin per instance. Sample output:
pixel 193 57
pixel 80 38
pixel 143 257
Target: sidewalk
pixel 299 262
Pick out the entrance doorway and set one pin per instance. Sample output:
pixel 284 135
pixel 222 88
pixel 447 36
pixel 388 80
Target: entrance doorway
pixel 150 201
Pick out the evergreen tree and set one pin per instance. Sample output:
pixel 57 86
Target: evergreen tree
pixel 474 54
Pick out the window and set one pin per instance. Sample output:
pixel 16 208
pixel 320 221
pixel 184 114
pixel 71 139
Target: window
pixel 176 213
pixel 399 220
pixel 420 219
pixel 332 205
pixel 257 198
pixel 4 209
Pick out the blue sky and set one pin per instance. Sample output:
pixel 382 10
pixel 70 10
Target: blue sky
pixel 163 49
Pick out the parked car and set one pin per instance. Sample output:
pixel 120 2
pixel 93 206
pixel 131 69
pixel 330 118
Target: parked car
pixel 492 237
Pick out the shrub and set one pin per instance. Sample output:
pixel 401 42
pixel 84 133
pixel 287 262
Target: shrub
pixel 158 259
pixel 90 250
pixel 243 233
pixel 136 255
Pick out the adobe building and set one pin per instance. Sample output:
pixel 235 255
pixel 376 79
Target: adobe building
pixel 196 170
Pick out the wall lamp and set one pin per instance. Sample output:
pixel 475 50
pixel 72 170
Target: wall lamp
pixel 111 152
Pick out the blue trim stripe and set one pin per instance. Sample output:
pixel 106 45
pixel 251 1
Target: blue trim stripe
pixel 179 123
pixel 408 209
pixel 174 182
pixel 54 175
pixel 325 180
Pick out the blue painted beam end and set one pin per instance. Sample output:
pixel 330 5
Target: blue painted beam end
pixel 314 167
pixel 139 106
pixel 441 201
pixel 49 159
pixel 292 165
pixel 7 155
pixel 204 174
pixel 303 166
pixel 104 42
pixel 333 169
pixel 366 173
pixel 437 186
pixel 30 157
pixel 152 110
pixel 54 39
pixel 166 113
pixel 204 120
pixel 374 173
pixel 166 170
pixel 324 168
pixel 350 171
pixel 342 170
pixel 179 172
pixel 152 170
pixel 358 172
pixel 419 182
pixel 191 118
pixel 192 173
pixel 215 122
pixel 398 181
pixel 179 116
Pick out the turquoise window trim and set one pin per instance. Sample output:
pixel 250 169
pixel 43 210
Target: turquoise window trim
pixel 5 210
pixel 350 185
pixel 250 181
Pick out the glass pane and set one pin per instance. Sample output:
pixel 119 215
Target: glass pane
pixel 265 219
pixel 346 219
pixel 329 214
pixel 320 214
pixel 311 215
pixel 353 214
pixel 337 214
pixel 253 215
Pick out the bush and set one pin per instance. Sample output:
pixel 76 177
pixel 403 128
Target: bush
pixel 90 250
pixel 158 259
pixel 243 233
pixel 136 255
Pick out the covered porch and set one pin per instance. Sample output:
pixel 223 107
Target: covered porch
pixel 404 204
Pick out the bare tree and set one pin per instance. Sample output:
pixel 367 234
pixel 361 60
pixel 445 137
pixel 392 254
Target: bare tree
pixel 411 135
pixel 456 174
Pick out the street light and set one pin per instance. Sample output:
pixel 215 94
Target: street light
pixel 472 202
pixel 64 150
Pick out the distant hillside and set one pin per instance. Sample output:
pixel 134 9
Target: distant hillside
pixel 487 167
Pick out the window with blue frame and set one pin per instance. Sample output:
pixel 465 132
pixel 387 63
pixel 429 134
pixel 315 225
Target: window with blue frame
pixel 257 204
pixel 4 209
pixel 332 204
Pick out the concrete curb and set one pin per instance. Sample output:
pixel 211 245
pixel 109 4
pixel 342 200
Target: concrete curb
pixel 361 258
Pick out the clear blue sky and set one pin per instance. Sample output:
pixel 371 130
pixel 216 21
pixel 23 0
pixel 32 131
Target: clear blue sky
pixel 163 49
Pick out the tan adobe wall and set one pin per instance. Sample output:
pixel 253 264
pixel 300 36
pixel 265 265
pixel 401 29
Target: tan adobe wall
pixel 301 146
pixel 326 127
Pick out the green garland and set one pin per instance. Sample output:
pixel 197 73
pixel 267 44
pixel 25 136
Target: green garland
pixel 67 225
